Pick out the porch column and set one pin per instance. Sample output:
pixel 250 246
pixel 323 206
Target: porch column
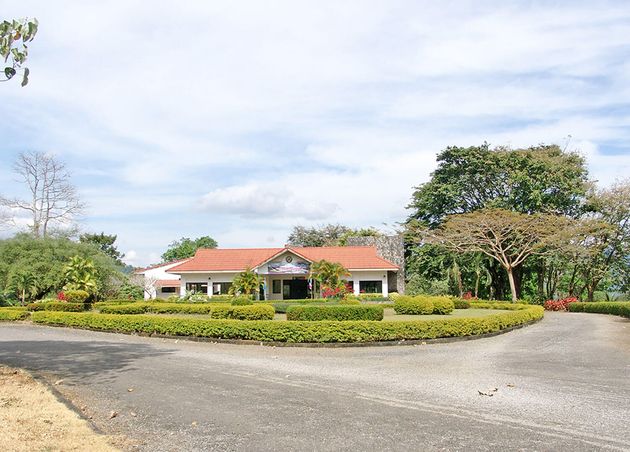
pixel 182 287
pixel 356 288
pixel 385 286
pixel 266 287
pixel 209 288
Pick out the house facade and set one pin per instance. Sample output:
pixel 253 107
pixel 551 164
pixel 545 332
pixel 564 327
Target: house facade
pixel 158 282
pixel 284 271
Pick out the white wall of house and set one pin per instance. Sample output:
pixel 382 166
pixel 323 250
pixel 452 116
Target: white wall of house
pixel 368 275
pixel 205 278
pixel 158 274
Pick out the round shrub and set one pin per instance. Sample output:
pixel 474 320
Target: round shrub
pixel 35 307
pixel 241 301
pixel 442 305
pixel 413 305
pixel 76 296
pixel 460 303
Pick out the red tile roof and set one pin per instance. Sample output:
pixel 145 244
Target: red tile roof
pixel 214 260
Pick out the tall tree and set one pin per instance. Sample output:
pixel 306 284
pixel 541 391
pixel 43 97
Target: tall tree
pixel 14 35
pixel 185 247
pixel 327 235
pixel 53 199
pixel 105 243
pixel 505 236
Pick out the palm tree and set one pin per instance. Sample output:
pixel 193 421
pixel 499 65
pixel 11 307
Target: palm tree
pixel 329 274
pixel 23 284
pixel 245 283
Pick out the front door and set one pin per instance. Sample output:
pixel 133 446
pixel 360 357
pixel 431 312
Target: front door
pixel 295 289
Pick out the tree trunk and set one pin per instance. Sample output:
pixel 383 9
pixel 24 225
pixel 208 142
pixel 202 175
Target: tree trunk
pixel 477 283
pixel 23 296
pixel 510 273
pixel 540 274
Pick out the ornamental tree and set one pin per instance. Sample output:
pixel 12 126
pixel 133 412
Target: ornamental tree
pixel 505 236
pixel 245 283
pixel 329 274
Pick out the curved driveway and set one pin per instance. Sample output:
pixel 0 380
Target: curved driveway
pixel 561 384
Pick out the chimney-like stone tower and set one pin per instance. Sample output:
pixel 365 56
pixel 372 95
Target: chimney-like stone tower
pixel 392 248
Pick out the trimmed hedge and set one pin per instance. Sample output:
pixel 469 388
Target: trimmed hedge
pixel 216 310
pixel 56 306
pixel 460 303
pixel 296 331
pixel 282 306
pixel 12 313
pixel 316 313
pixel 602 307
pixel 413 305
pixel 76 296
pixel 116 301
pixel 443 305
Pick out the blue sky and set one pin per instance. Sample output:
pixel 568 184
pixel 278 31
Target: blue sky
pixel 241 119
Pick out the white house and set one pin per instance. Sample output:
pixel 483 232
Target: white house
pixel 284 271
pixel 158 283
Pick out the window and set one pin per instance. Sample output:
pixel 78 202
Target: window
pixel 276 286
pixel 169 289
pixel 371 286
pixel 221 288
pixel 195 287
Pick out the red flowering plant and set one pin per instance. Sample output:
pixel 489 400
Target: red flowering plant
pixel 559 305
pixel 468 296
pixel 334 292
pixel 61 296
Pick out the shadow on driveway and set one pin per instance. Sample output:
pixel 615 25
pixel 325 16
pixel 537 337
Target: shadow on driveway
pixel 79 360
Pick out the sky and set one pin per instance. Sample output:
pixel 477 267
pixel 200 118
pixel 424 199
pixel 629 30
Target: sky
pixel 242 119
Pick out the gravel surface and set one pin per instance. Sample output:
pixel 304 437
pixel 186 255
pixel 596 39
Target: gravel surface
pixel 561 384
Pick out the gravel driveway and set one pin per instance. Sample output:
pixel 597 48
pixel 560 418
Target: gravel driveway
pixel 561 384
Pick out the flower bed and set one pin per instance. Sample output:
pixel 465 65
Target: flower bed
pixel 559 305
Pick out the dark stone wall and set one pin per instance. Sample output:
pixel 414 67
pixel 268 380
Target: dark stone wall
pixel 392 248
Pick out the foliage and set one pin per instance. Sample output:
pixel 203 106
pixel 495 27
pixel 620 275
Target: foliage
pixel 241 301
pixel 56 306
pixel 12 314
pixel 46 258
pixel 74 296
pixel 253 312
pixel 505 236
pixel 105 243
pixel 460 303
pixel 327 235
pixel 330 275
pixel 215 310
pixel 316 313
pixel 604 307
pixel 296 331
pixel 14 35
pixel 24 284
pixel 246 283
pixel 442 305
pixel 80 275
pixel 186 247
pixel 418 305
pixel 559 305
pixel 130 291
pixel 193 297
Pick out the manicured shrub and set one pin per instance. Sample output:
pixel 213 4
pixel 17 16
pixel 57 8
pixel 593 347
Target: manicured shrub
pixel 36 306
pixel 315 313
pixel 295 331
pixel 602 307
pixel 134 308
pixel 76 296
pixel 460 303
pixel 442 305
pixel 63 306
pixel 13 313
pixel 419 305
pixel 241 301
pixel 368 297
pixel 252 312
pixel 115 302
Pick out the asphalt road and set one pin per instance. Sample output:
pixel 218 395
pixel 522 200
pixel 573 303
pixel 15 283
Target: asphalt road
pixel 562 384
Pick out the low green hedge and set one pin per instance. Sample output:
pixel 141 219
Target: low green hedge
pixel 315 313
pixel 499 305
pixel 296 331
pixel 56 306
pixel 460 303
pixel 216 310
pixel 13 313
pixel 419 305
pixel 603 307
pixel 115 301
pixel 76 296
pixel 443 305
pixel 282 306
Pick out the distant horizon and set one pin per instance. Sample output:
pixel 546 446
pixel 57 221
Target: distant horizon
pixel 261 117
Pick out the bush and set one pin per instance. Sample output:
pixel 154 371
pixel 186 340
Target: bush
pixel 13 313
pixel 55 306
pixel 559 305
pixel 215 310
pixel 419 305
pixel 252 312
pixel 75 296
pixel 315 313
pixel 296 331
pixel 602 307
pixel 460 303
pixel 115 301
pixel 442 305
pixel 133 308
pixel 35 306
pixel 368 297
pixel 241 301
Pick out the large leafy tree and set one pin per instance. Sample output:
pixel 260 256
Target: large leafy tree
pixel 105 243
pixel 46 258
pixel 14 35
pixel 505 236
pixel 185 247
pixel 327 235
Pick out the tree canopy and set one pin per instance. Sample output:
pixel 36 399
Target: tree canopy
pixel 105 243
pixel 327 235
pixel 186 247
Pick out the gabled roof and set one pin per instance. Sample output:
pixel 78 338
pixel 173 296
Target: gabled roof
pixel 238 259
pixel 139 271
